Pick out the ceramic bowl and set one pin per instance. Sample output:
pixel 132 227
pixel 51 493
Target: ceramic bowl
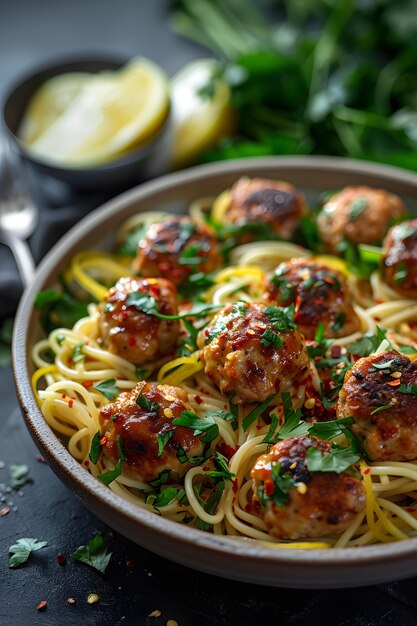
pixel 227 557
pixel 138 165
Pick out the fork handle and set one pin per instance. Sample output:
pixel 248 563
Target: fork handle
pixel 23 257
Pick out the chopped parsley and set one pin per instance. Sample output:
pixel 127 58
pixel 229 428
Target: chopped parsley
pixel 292 425
pixel 22 550
pixel 147 405
pixel 95 448
pixel 281 318
pixel 147 304
pixel 163 440
pixel 18 475
pixel 401 273
pixel 339 322
pixel 282 485
pixel 108 388
pixel 211 505
pixel 77 353
pixel 382 408
pixel 59 310
pixel 199 425
pixel 256 412
pixel 331 429
pixel 165 497
pixel 222 470
pixel 408 389
pixel 357 208
pixel 337 459
pixel 270 338
pixel 94 554
pixel 110 475
pixel 369 343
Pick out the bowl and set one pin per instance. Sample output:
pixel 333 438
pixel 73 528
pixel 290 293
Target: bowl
pixel 147 161
pixel 222 556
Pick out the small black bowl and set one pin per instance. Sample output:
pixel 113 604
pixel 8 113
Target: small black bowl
pixel 147 161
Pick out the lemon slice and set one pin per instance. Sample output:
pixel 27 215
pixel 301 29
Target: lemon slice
pixel 198 122
pixel 112 113
pixel 49 102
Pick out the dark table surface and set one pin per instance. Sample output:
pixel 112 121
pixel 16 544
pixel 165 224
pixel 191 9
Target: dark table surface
pixel 136 582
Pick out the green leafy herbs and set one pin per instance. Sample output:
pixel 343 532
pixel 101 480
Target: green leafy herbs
pixel 94 554
pixel 278 488
pixel 369 343
pixel 18 475
pixel 281 318
pixel 357 208
pixel 165 497
pixel 338 459
pixel 329 430
pixel 210 506
pixel 270 338
pixel 256 412
pixel 201 426
pixel 6 331
pixel 384 407
pixel 162 440
pixel 147 304
pixel 78 354
pixel 22 549
pixel 129 246
pixel 110 475
pixel 408 389
pixel 222 469
pixel 147 405
pixel 108 388
pixel 346 72
pixel 401 273
pixel 338 322
pixel 59 309
pixel 95 448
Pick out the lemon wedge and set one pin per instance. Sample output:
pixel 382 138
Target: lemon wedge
pixel 106 116
pixel 198 122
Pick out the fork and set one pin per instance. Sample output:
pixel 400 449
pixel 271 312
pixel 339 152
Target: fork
pixel 18 211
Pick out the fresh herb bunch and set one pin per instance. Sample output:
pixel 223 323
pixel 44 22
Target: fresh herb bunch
pixel 330 77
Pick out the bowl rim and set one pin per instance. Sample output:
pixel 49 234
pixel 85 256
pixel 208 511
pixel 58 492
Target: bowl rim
pixel 61 66
pixel 87 486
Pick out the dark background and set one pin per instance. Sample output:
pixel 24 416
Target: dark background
pixel 136 581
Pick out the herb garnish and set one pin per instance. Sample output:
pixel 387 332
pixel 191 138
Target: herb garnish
pixel 269 338
pixel 221 464
pixel 282 483
pixel 94 554
pixel 59 309
pixel 147 304
pixel 369 343
pixel 110 475
pixel 381 408
pixel 337 459
pixel 281 317
pixel 163 440
pixel 108 388
pixel 256 412
pixel 18 475
pixel 22 549
pixel 95 448
pixel 77 353
pixel 408 389
pixel 357 208
pixel 199 425
pixel 147 405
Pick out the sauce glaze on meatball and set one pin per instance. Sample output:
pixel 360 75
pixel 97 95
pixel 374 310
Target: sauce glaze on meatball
pixel 138 422
pixel 400 258
pixel 320 295
pixel 132 334
pixel 358 214
pixel 319 503
pixel 176 248
pixel 272 202
pixel 378 393
pixel 248 358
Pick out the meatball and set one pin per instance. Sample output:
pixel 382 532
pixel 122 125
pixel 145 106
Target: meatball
pixel 142 419
pixel 248 357
pixel 358 214
pixel 261 201
pixel 399 267
pixel 132 334
pixel 177 248
pixel 304 504
pixel 320 294
pixel 379 394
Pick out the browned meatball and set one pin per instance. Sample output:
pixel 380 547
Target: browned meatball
pixel 379 393
pixel 320 294
pixel 358 214
pixel 177 248
pixel 132 334
pixel 138 417
pixel 315 504
pixel 259 200
pixel 246 355
pixel 400 258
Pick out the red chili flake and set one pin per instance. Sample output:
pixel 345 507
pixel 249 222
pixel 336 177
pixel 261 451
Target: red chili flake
pixel 130 563
pixel 411 510
pixel 199 400
pixel 132 341
pixel 103 440
pixel 258 426
pixel 394 383
pixel 42 605
pixel 336 351
pixel 4 511
pixel 249 507
pixel 298 303
pixel 70 403
pixel 40 458
pixel 318 301
pixel 329 280
pixel 235 485
pixel 366 471
pixel 206 469
pixel 88 383
pixel 269 487
pixel 87 463
pixel 64 395
pixel 164 266
pixel 61 560
pixel 227 451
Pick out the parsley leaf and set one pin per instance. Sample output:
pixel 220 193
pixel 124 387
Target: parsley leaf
pixel 59 309
pixel 269 338
pixel 281 318
pixel 211 505
pixel 357 208
pixel 22 549
pixel 199 425
pixel 329 430
pixel 94 554
pixel 110 475
pixel 408 389
pixel 367 344
pixel 108 388
pixel 163 440
pixel 95 448
pixel 382 408
pixel 221 463
pixel 18 475
pixel 337 460
pixel 165 497
pixel 147 405
pixel 147 304
pixel 77 353
pixel 292 426
pixel 256 412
